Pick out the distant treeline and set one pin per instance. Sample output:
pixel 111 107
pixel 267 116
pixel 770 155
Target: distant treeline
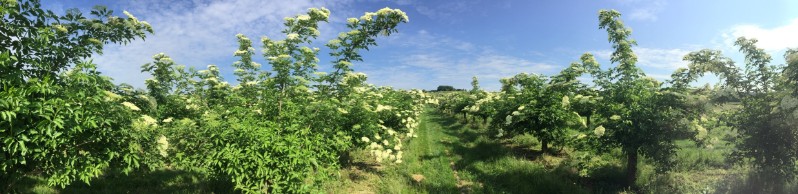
pixel 443 88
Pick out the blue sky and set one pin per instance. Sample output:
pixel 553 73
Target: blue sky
pixel 447 42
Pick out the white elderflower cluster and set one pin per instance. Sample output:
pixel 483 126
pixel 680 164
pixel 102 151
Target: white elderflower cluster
pixel 410 124
pixel 213 68
pixel 95 41
pixel 323 12
pixel 148 121
pixel 60 28
pixel 303 17
pixel 472 108
pixel 701 131
pixel 167 120
pixel 368 16
pixel 255 65
pixel 388 11
pixel 599 131
pixel 221 85
pixel 566 101
pixel 352 21
pixel 334 42
pixel 135 20
pixel 211 80
pixel 131 106
pixel 240 53
pixel 110 96
pixel 381 107
pixel 342 111
pixel 383 149
pixel 163 145
pixel 360 89
pixel 292 36
pixel 250 83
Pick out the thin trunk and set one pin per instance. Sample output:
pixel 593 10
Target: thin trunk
pixel 544 145
pixel 631 167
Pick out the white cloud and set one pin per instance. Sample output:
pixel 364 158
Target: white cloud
pixel 198 33
pixel 423 40
pixel 771 39
pixel 670 59
pixel 444 11
pixel 424 60
pixel 429 70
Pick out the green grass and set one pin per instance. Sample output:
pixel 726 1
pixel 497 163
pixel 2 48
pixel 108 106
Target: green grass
pixel 455 158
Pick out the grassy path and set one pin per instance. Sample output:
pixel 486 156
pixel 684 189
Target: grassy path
pixel 455 158
pixel 426 156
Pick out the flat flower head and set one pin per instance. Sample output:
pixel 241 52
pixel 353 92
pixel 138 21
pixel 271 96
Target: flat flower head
pixel 110 96
pixel 599 131
pixel 292 36
pixel 163 146
pixel 352 21
pixel 149 120
pixel 131 106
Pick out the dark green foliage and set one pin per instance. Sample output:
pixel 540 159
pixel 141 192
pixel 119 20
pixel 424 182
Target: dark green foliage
pixel 49 119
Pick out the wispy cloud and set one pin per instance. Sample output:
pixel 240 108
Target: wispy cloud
pixel 198 33
pixel 772 39
pixel 442 60
pixel 667 59
pixel 444 11
pixel 644 10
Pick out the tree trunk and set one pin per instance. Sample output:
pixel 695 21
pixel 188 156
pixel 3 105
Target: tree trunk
pixel 544 145
pixel 631 167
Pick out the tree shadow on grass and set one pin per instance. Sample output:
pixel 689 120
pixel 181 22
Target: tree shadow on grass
pixel 754 183
pixel 158 181
pixel 501 168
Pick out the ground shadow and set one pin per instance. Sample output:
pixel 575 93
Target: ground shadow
pixel 158 181
pixel 475 147
pixel 754 183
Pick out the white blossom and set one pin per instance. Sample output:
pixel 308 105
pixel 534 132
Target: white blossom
pixel 110 96
pixel 292 36
pixel 149 121
pixel 163 145
pixel 131 106
pixel 352 21
pixel 599 131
